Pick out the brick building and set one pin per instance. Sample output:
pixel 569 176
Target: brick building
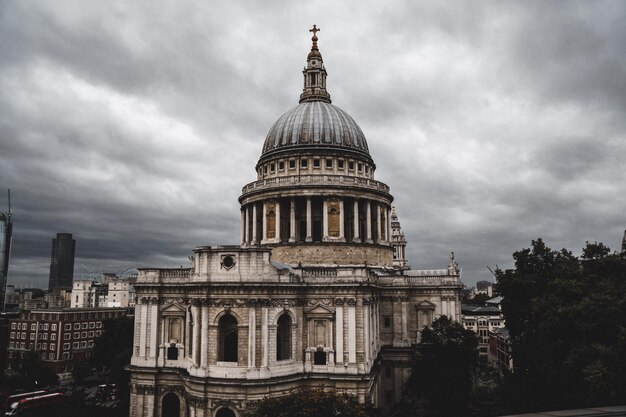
pixel 59 338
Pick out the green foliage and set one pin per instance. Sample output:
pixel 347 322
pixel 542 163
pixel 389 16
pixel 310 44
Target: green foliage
pixel 444 367
pixel 567 321
pixel 309 402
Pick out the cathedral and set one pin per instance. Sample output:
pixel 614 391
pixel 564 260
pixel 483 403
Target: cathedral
pixel 318 292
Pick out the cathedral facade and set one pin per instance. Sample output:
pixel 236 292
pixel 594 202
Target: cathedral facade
pixel 318 293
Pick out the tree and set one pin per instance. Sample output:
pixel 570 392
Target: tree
pixel 114 348
pixel 309 402
pixel 443 370
pixel 567 321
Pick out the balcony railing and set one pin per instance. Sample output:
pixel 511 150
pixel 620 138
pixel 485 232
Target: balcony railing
pixel 337 180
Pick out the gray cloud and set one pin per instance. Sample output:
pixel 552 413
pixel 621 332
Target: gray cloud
pixel 135 125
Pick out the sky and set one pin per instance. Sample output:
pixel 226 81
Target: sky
pixel 134 125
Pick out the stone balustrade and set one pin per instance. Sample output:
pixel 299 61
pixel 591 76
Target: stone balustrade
pixel 293 180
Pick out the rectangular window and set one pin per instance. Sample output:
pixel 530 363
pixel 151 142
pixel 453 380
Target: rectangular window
pixel 52 356
pixel 83 344
pixel 12 335
pixel 66 346
pixel 98 333
pixel 32 327
pixel 292 164
pixel 44 336
pixel 84 326
pixel 45 326
pixel 360 165
pixel 53 336
pixel 44 346
pixel 316 163
pixel 13 326
pixel 329 163
pixel 54 327
pixel 304 163
pixel 367 169
pixel 67 336
pixel 66 355
pixel 98 325
pixel 76 335
pixel 281 165
pixel 92 325
pixel 75 345
pixel 91 333
pixel 351 165
pixel 340 164
pixel 83 335
pixel 387 321
pixel 67 326
pixel 22 345
pixel 11 344
pixel 272 167
pixel 32 336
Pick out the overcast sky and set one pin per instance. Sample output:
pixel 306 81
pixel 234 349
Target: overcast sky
pixel 133 125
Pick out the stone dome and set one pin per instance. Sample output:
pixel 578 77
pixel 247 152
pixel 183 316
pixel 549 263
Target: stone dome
pixel 315 125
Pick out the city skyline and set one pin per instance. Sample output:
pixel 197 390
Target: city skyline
pixel 134 127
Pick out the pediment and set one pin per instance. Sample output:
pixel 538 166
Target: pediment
pixel 425 305
pixel 319 310
pixel 173 308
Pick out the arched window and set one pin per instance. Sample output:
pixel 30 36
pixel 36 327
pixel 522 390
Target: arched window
pixel 225 412
pixel 283 338
pixel 227 339
pixel 170 406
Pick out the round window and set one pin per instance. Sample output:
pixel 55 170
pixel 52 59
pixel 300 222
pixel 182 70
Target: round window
pixel 228 262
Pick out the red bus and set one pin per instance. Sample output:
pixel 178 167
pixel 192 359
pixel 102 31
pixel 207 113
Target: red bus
pixel 14 398
pixel 43 405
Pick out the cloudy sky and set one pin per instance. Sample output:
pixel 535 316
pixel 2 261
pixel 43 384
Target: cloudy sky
pixel 134 125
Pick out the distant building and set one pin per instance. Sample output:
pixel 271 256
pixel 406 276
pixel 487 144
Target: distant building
pixel 58 338
pixel 500 351
pixel 62 262
pixel 482 320
pixel 484 287
pixel 112 292
pixel 6 233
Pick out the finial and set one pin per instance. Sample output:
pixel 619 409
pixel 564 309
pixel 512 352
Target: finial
pixel 314 38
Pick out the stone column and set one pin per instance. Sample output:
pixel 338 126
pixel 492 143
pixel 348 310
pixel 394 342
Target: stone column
pixel 264 222
pixel 197 330
pixel 154 325
pixel 309 221
pixel 292 220
pixel 368 221
pixel 405 330
pixel 351 334
pixel 339 335
pixel 186 337
pixel 388 224
pixel 143 326
pixel 243 225
pixel 325 221
pixel 252 338
pixel 342 231
pixel 266 337
pixel 366 334
pixel 277 222
pixel 255 237
pixel 204 348
pixel 379 238
pixel 357 237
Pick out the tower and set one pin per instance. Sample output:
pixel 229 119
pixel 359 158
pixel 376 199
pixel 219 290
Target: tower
pixel 398 241
pixel 62 262
pixel 6 238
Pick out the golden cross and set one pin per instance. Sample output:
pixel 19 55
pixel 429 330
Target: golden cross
pixel 314 30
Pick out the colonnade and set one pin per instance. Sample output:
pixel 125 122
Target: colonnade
pixel 316 219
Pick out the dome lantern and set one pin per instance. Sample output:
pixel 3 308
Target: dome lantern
pixel 314 74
